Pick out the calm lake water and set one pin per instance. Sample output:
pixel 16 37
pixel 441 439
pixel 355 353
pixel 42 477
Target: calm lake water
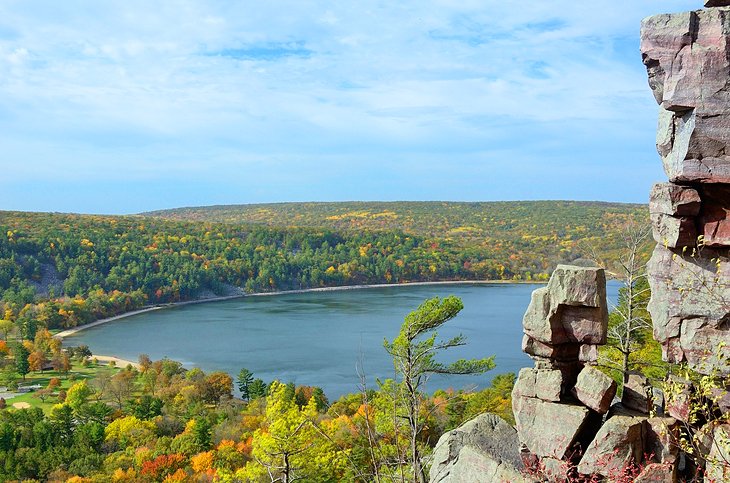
pixel 321 338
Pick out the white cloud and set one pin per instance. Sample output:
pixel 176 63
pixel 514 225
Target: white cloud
pixel 302 79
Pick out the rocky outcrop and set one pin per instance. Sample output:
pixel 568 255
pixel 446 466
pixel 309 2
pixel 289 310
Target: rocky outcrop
pixel 619 442
pixel 483 450
pixel 565 411
pixel 595 389
pixel 549 429
pixel 687 57
pixel 557 404
pixel 566 417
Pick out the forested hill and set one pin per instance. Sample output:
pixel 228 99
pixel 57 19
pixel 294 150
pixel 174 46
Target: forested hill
pixel 483 223
pixel 60 270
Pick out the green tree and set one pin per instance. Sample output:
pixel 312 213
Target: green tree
pixel 244 381
pixel 258 389
pixel 22 366
pixel 6 327
pixel 414 352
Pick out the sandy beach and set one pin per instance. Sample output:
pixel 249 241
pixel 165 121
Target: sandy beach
pixel 121 363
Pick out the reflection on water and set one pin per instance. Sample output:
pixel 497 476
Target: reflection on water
pixel 320 338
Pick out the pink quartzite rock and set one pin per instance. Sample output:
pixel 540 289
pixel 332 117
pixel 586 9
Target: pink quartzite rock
pixel 717 468
pixel 619 442
pixel 555 470
pixel 662 435
pixel 687 60
pixel 482 450
pixel 636 395
pixel 700 341
pixel 588 354
pixel 548 428
pixel 679 399
pixel 569 370
pixel 559 352
pixel 595 389
pixel 579 286
pixel 690 306
pixel 714 217
pixel 674 200
pixel 657 473
pixel 673 232
pixel 572 308
pixel 542 384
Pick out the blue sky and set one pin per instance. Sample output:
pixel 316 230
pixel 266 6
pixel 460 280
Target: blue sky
pixel 128 106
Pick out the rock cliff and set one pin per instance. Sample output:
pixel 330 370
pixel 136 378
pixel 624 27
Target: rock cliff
pixel 687 57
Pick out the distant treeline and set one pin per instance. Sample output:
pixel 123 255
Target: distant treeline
pixel 61 270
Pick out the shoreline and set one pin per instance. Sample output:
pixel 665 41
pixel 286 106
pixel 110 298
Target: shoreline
pixel 75 330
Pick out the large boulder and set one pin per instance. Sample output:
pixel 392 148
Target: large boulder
pixel 571 309
pixel 595 389
pixel 657 473
pixel 637 393
pixel 619 442
pixel 662 435
pixel 542 384
pixel 483 450
pixel 577 286
pixel 548 428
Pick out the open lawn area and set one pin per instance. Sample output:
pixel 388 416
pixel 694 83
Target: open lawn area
pixel 77 373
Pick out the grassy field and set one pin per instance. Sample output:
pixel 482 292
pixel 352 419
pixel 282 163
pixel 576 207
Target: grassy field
pixel 77 373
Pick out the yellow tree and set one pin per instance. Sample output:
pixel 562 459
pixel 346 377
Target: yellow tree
pixel 291 446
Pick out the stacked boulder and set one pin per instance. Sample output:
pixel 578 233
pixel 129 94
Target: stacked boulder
pixel 564 407
pixel 558 403
pixel 687 56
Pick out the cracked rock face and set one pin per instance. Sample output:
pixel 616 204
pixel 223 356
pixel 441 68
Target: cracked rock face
pixel 548 429
pixel 687 57
pixel 482 450
pixel 569 312
pixel 690 307
pixel 595 389
pixel 619 441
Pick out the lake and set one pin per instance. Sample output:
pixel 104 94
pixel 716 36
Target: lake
pixel 322 338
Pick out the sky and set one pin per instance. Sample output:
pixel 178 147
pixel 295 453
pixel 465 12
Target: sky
pixel 127 106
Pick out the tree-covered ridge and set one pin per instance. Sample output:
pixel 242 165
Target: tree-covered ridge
pixel 522 236
pixel 480 223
